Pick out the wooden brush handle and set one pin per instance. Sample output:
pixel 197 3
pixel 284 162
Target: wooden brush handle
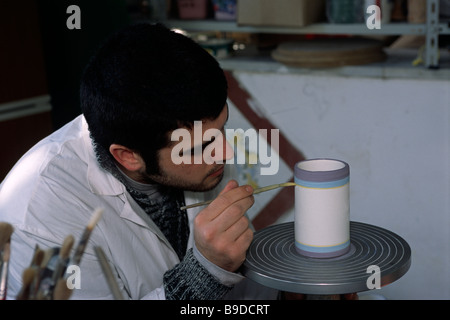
pixel 256 191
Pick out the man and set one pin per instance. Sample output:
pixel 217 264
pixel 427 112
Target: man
pixel 144 83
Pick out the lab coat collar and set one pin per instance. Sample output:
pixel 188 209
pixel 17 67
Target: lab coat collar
pixel 100 181
pixel 134 213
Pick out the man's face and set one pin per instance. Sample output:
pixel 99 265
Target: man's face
pixel 195 176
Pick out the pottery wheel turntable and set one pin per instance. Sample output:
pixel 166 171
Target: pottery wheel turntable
pixel 273 261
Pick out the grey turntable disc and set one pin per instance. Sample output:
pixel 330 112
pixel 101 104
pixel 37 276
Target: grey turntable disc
pixel 273 261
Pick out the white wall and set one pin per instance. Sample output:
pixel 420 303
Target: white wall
pixel 395 135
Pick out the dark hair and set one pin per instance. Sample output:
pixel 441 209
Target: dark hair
pixel 146 81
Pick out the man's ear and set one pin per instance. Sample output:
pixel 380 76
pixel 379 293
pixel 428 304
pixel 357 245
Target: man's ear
pixel 127 158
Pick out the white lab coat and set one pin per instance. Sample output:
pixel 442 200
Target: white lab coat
pixel 53 191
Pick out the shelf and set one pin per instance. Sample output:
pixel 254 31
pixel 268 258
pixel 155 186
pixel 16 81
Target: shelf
pixel 431 30
pixel 318 28
pixel 398 65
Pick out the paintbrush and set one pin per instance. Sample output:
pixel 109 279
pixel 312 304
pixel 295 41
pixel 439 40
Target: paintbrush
pixel 28 277
pixel 6 231
pixel 62 291
pixel 112 283
pixel 54 269
pixel 256 191
pixel 42 284
pixel 38 256
pixel 4 270
pixel 61 262
pixel 82 243
pixel 31 274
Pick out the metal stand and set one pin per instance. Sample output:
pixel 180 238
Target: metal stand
pixel 432 35
pixel 273 261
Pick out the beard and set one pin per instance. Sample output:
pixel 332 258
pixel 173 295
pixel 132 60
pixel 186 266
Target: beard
pixel 166 180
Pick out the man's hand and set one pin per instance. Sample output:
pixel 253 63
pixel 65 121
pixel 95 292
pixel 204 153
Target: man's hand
pixel 221 231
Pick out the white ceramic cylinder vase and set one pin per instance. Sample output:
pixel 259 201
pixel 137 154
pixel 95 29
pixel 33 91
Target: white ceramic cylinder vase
pixel 322 209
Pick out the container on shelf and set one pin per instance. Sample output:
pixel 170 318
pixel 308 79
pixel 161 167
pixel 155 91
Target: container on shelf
pixel 417 11
pixel 345 11
pixel 280 13
pixel 225 9
pixel 218 47
pixel 355 11
pixel 192 9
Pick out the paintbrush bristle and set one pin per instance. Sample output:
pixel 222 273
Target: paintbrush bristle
pixel 6 231
pixel 94 219
pixel 38 257
pixel 62 292
pixel 28 276
pixel 66 247
pixel 82 242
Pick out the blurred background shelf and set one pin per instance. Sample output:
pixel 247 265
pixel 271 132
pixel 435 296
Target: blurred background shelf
pixel 429 27
pixel 318 28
